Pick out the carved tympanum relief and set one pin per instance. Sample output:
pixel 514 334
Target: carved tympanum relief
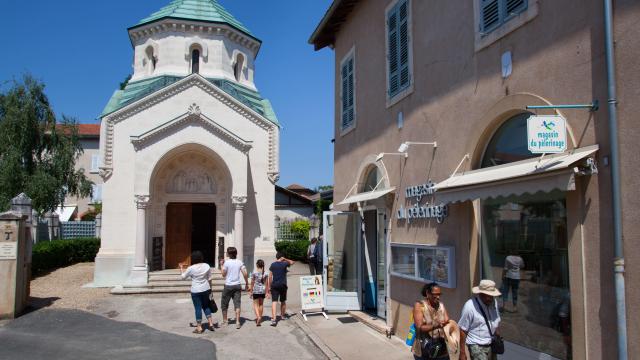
pixel 192 180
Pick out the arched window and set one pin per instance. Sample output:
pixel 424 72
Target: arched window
pixel 151 60
pixel 238 66
pixel 525 249
pixel 195 61
pixel 373 178
pixel 509 143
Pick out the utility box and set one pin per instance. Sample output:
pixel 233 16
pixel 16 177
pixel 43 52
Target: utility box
pixel 15 264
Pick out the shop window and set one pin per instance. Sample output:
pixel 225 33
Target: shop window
pixel 494 13
pixel 398 49
pixel 524 250
pixel 424 263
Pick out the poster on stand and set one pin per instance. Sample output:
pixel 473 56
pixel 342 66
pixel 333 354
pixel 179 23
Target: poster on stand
pixel 311 292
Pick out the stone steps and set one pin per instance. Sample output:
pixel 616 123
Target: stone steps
pixel 167 282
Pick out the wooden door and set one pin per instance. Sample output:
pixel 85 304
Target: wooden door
pixel 179 229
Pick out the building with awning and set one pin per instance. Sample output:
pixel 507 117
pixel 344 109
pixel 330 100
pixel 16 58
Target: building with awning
pixel 441 113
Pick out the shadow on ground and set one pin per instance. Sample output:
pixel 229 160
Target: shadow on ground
pixel 72 334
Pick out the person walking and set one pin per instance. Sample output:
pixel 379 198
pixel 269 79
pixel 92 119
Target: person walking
pixel 278 286
pixel 231 270
pixel 200 274
pixel 311 256
pixel 474 330
pixel 511 278
pixel 430 318
pixel 258 290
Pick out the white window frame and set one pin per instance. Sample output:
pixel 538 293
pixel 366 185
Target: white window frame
pixel 96 190
pixel 392 100
pixel 483 40
pixel 95 160
pixel 350 55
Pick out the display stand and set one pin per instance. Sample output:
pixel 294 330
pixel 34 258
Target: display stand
pixel 311 296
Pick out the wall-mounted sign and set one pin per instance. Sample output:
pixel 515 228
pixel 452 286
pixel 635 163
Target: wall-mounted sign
pixel 422 211
pixel 8 250
pixel 546 134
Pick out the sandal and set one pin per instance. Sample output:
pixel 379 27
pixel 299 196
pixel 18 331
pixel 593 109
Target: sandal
pixel 196 331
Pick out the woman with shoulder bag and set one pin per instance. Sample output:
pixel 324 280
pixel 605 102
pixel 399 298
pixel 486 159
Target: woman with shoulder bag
pixel 200 274
pixel 430 318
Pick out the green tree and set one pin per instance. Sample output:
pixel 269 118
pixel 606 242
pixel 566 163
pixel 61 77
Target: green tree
pixel 37 153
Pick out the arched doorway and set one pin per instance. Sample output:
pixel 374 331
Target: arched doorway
pixel 192 186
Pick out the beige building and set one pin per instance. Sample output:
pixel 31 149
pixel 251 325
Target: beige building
pixel 464 75
pixel 76 207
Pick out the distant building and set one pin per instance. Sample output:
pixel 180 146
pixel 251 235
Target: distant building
pixel 292 205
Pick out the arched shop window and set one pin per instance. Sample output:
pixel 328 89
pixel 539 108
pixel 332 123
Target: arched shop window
pixel 524 250
pixel 373 178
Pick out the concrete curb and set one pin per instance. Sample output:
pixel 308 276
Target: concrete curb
pixel 326 350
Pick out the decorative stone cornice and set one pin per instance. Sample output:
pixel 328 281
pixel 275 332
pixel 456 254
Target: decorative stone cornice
pixel 273 177
pixel 193 116
pixel 105 173
pixel 179 87
pixel 142 201
pixel 191 28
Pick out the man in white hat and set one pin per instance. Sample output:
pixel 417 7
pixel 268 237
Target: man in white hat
pixel 474 331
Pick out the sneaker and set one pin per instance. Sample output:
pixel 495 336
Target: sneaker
pixel 238 325
pixel 273 323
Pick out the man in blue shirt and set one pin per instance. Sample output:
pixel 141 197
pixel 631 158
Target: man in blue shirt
pixel 278 285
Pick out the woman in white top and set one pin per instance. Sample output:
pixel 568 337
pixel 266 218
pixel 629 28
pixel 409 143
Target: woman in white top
pixel 511 278
pixel 200 274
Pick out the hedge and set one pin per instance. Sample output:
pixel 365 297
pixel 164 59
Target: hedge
pixel 293 249
pixel 55 254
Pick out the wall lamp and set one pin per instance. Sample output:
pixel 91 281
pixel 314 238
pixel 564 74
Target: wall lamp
pixel 381 155
pixel 405 145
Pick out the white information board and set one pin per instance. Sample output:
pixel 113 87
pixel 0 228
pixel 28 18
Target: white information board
pixel 8 250
pixel 311 292
pixel 546 134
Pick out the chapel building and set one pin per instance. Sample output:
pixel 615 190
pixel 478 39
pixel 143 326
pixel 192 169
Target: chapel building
pixel 188 149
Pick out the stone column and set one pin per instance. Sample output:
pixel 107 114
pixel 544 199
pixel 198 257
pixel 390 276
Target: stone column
pixel 139 272
pixel 238 203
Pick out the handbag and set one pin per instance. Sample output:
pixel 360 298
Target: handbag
pixel 411 336
pixel 497 344
pixel 432 347
pixel 212 303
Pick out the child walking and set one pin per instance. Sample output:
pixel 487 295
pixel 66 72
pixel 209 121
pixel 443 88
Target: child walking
pixel 258 290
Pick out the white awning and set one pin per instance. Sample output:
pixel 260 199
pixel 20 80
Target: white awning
pixel 65 212
pixel 516 178
pixel 369 195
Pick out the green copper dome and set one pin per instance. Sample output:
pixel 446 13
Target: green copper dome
pixel 199 10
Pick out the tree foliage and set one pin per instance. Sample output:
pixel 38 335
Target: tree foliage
pixel 37 152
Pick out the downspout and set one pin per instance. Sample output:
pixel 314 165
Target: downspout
pixel 618 261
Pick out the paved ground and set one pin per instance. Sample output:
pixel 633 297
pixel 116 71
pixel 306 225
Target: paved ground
pixel 103 326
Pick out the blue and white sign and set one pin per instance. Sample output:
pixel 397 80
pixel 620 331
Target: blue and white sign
pixel 546 134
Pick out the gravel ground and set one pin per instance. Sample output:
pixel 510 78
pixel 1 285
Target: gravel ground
pixel 62 289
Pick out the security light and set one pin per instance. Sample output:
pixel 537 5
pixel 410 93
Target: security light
pixel 405 145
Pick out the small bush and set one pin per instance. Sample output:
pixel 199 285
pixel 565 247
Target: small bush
pixel 293 249
pixel 300 228
pixel 54 254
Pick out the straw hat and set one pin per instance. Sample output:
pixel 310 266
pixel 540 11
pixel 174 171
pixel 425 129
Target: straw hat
pixel 452 338
pixel 486 287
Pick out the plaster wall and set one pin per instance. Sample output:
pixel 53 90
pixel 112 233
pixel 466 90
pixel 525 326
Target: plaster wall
pixel 173 51
pixel 460 98
pixel 91 147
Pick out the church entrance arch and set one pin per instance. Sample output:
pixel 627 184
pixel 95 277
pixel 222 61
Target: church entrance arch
pixel 192 186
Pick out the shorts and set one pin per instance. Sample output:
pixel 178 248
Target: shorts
pixel 257 296
pixel 279 293
pixel 229 292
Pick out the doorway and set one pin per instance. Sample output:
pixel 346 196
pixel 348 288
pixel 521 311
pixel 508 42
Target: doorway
pixel 190 227
pixel 374 262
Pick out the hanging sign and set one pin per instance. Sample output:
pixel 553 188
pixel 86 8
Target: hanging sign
pixel 311 292
pixel 546 134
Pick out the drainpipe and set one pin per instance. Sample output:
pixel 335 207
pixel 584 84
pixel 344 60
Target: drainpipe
pixel 618 261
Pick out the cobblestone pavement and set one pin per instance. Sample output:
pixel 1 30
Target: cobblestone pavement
pixel 69 321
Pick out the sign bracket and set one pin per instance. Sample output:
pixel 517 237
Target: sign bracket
pixel 594 106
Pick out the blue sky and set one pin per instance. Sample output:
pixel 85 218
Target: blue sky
pixel 81 51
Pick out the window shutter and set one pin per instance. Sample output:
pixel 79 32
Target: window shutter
pixel 489 14
pixel 95 162
pixel 514 7
pixel 404 44
pixel 392 34
pixel 347 94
